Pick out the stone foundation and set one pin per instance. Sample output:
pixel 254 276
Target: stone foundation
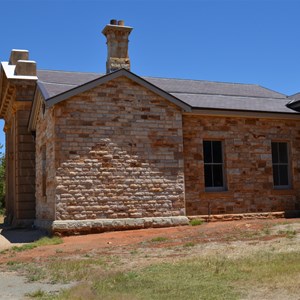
pixel 247 216
pixel 71 227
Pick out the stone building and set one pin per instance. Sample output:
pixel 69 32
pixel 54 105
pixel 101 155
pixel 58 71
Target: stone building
pixel 92 152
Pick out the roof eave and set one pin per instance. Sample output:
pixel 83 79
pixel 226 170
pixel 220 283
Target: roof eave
pixel 294 105
pixel 104 79
pixel 244 113
pixel 10 73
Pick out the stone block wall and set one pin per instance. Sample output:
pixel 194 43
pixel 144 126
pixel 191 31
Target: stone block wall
pixel 25 168
pixel 118 154
pixel 247 164
pixel 45 174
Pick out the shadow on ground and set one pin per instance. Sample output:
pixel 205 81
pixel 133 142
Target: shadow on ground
pixel 20 235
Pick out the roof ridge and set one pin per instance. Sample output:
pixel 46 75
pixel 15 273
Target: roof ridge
pixel 56 83
pixel 79 72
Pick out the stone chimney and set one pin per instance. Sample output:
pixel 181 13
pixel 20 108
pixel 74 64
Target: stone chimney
pixel 117 46
pixel 24 66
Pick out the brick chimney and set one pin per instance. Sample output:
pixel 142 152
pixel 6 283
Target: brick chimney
pixel 117 46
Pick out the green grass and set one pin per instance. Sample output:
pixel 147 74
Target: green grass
pixel 189 244
pixel 197 278
pixel 41 242
pixel 196 222
pixel 159 239
pixel 45 241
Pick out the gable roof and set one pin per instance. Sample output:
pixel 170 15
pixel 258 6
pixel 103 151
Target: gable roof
pixel 67 90
pixel 190 94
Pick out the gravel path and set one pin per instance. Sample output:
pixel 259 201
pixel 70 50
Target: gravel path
pixel 12 285
pixel 15 287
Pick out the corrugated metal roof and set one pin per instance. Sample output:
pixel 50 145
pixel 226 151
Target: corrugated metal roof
pixel 196 93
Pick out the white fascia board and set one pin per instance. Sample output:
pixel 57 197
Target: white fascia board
pixel 10 72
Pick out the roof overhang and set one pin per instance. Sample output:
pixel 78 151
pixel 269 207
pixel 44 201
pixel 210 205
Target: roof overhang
pixel 10 72
pixel 294 104
pixel 106 78
pixel 242 113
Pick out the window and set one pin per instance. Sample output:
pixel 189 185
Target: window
pixel 280 162
pixel 213 166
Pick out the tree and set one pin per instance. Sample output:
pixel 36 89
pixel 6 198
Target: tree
pixel 2 179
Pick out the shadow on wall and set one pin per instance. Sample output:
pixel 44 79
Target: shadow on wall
pixel 289 214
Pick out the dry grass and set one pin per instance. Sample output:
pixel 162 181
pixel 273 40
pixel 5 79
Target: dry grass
pixel 214 277
pixel 236 269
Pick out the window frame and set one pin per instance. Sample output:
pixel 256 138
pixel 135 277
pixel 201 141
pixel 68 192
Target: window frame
pixel 288 164
pixel 215 188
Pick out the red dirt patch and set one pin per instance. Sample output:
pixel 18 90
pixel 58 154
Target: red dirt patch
pixel 133 239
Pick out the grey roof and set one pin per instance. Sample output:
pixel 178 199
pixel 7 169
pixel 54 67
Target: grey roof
pixel 294 102
pixel 57 82
pixel 195 93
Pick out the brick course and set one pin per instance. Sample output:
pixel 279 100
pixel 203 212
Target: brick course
pixel 248 164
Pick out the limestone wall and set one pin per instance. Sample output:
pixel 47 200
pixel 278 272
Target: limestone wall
pixel 25 168
pixel 118 154
pixel 248 164
pixel 45 174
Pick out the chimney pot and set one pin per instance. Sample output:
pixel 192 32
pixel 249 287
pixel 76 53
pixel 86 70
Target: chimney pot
pixel 121 23
pixel 113 22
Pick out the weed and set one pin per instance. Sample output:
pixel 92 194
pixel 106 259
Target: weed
pixel 14 265
pixel 36 294
pixel 196 222
pixel 159 239
pixel 289 233
pixel 266 230
pixel 189 244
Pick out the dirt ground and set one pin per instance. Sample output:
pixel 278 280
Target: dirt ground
pixel 160 244
pixel 131 240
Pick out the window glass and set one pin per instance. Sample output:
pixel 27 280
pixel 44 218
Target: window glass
pixel 213 165
pixel 218 175
pixel 207 152
pixel 217 151
pixel 280 161
pixel 283 154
